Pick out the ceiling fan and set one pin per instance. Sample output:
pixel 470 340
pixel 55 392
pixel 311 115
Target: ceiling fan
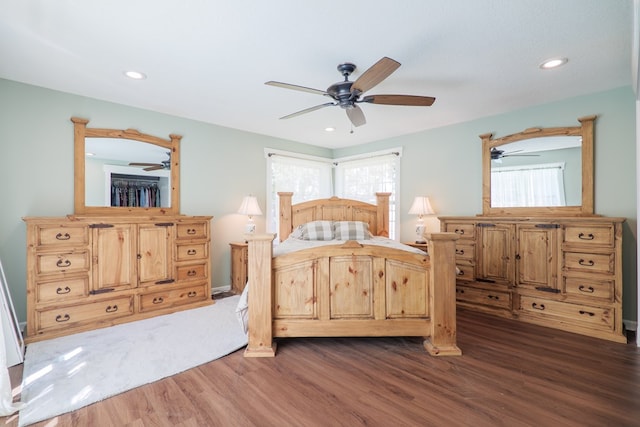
pixel 347 94
pixel 498 155
pixel 165 164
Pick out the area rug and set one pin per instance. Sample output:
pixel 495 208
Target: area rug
pixel 67 373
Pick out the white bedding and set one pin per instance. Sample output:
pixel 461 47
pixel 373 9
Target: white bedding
pixel 293 244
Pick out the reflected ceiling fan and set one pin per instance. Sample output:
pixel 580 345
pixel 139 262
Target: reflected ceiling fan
pixel 498 155
pixel 165 164
pixel 347 94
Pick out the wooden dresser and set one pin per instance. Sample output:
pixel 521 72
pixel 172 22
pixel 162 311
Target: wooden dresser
pixel 564 273
pixel 239 267
pixel 89 272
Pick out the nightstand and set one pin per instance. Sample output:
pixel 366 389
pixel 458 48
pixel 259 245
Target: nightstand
pixel 239 261
pixel 421 246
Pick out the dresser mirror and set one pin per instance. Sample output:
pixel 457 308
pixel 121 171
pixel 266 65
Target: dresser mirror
pixel 125 171
pixel 539 171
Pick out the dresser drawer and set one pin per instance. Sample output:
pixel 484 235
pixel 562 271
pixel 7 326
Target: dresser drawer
pixel 466 271
pixel 58 234
pixel 465 251
pixel 575 286
pixel 192 230
pixel 498 299
pixel 197 271
pixel 600 318
pixel 591 235
pixel 61 290
pixel 464 230
pixel 66 317
pixel 171 297
pixel 589 262
pixel 192 251
pixel 62 262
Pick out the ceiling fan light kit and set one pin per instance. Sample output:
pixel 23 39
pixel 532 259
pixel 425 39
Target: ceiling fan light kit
pixel 346 93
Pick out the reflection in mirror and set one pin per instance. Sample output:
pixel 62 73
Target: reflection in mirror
pixel 538 172
pixel 122 172
pixel 125 172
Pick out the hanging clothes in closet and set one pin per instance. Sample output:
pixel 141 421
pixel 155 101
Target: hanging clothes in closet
pixel 131 191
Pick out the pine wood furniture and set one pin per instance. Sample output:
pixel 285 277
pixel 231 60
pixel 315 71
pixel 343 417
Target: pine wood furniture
pixel 351 289
pixel 564 272
pixel 557 266
pixel 239 259
pixel 421 246
pixel 88 272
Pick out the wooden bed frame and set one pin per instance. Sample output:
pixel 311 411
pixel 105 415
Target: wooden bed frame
pixel 350 290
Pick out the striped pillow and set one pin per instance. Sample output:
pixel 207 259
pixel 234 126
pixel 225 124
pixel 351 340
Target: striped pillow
pixel 317 230
pixel 351 230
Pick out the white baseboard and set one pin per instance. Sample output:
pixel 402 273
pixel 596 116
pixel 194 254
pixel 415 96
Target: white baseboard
pixel 220 289
pixel 630 325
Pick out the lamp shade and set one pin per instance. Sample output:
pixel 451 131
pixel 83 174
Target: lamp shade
pixel 421 206
pixel 250 206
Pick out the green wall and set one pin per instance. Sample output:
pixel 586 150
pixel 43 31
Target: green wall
pixel 220 165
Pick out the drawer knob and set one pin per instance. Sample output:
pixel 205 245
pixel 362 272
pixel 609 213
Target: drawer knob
pixel 588 290
pixel 192 294
pixel 590 314
pixel 61 291
pixel 63 263
pixel 460 291
pixel 158 300
pixel 459 231
pixel 111 308
pixel 494 297
pixel 587 237
pixel 589 263
pixel 191 252
pixel 62 318
pixel 191 273
pixel 537 306
pixel 191 231
pixel 459 251
pixel 64 236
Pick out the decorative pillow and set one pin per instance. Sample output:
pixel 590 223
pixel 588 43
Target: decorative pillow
pixel 317 230
pixel 351 230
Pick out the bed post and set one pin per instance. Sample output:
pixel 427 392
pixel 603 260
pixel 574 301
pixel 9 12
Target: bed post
pixel 286 216
pixel 442 341
pixel 260 337
pixel 382 216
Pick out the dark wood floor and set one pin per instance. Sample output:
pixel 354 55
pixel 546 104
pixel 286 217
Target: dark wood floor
pixel 510 374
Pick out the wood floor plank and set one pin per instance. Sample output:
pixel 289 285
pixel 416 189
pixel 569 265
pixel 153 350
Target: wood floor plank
pixel 510 374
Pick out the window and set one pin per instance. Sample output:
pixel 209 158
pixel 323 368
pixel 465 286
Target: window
pixel 308 177
pixel 535 185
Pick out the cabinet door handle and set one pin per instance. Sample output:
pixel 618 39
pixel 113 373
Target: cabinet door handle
pixel 191 252
pixel 588 290
pixel 537 306
pixel 63 263
pixel 589 263
pixel 158 300
pixel 587 237
pixel 587 312
pixel 64 236
pixel 61 291
pixel 62 318
pixel 192 294
pixel 111 309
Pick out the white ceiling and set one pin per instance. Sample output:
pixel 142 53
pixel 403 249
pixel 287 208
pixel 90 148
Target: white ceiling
pixel 208 60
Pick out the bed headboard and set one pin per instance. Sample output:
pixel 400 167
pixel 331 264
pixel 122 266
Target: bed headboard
pixel 334 209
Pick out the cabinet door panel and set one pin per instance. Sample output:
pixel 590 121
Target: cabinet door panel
pixel 537 264
pixel 114 251
pixel 495 256
pixel 154 253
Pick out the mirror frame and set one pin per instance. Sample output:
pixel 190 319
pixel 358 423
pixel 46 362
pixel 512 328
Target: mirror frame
pixel 81 131
pixel 586 130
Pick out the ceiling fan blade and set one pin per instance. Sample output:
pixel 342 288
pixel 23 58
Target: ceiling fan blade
pixel 154 168
pixel 411 100
pixel 296 87
pixel 375 74
pixel 307 110
pixel 144 164
pixel 356 116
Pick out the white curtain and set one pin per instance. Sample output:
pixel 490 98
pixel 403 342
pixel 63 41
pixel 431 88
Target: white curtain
pixel 537 185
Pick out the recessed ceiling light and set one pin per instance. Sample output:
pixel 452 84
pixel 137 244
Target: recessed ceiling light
pixel 553 63
pixel 329 129
pixel 136 75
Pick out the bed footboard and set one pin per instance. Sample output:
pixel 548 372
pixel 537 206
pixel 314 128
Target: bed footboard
pixel 352 290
